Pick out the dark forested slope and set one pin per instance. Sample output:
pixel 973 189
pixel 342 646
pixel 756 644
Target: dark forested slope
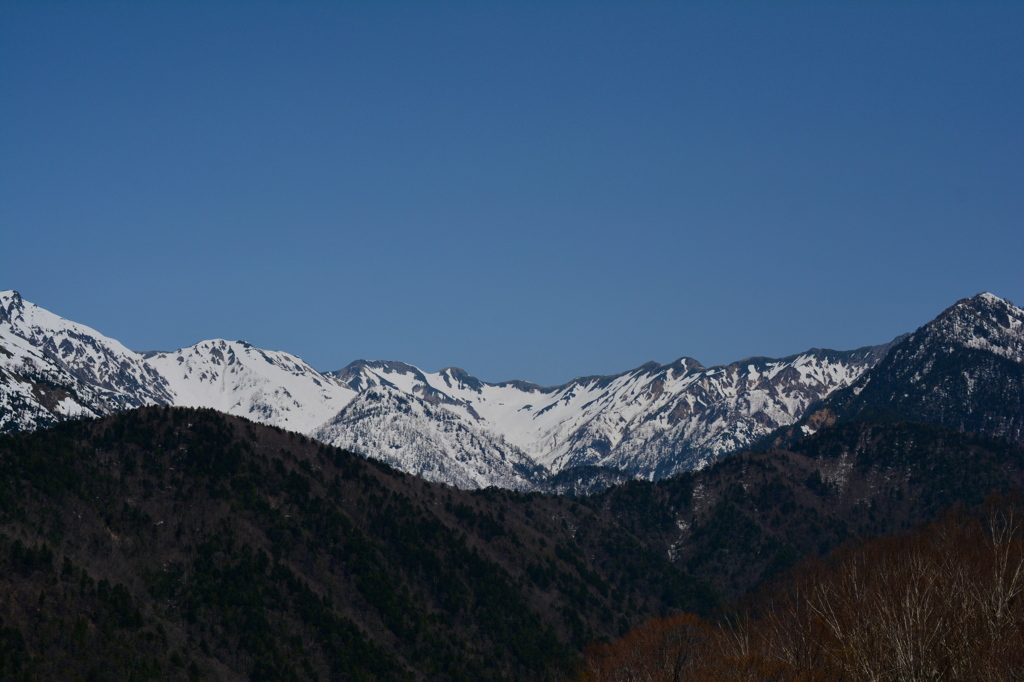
pixel 170 543
pixel 940 603
pixel 743 519
pixel 185 544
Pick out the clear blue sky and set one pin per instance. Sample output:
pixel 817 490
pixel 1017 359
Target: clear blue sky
pixel 534 190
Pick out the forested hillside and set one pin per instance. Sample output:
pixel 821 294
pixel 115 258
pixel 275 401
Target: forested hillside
pixel 941 603
pixel 175 543
pixel 740 521
pixel 185 544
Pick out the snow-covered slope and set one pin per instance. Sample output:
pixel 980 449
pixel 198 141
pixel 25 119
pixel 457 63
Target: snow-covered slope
pixel 84 353
pixel 270 387
pixel 432 439
pixel 53 369
pixel 652 421
pixel 34 392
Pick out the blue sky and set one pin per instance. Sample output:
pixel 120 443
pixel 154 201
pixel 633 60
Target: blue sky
pixel 526 190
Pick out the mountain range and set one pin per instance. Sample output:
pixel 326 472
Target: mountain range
pixel 160 542
pixel 650 422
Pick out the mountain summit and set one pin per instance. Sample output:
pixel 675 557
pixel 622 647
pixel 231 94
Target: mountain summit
pixel 963 370
pixel 52 369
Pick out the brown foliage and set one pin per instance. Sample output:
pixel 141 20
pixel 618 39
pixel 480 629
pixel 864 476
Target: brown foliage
pixel 681 647
pixel 660 650
pixel 941 604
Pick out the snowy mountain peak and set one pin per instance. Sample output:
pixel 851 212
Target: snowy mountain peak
pixel 685 364
pixel 454 377
pixel 984 301
pixel 990 298
pixel 10 299
pixel 983 322
pixel 236 377
pixel 363 374
pixel 963 370
pixel 121 375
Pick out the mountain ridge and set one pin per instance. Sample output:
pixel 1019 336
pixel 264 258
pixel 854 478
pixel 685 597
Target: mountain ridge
pixel 650 422
pixel 963 370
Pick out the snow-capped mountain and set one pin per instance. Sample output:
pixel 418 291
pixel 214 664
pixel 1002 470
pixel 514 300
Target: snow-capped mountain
pixel 963 370
pixel 984 322
pixel 270 387
pixel 53 369
pixel 650 422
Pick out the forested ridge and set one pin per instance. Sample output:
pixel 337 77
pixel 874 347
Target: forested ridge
pixel 749 516
pixel 172 543
pixel 186 544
